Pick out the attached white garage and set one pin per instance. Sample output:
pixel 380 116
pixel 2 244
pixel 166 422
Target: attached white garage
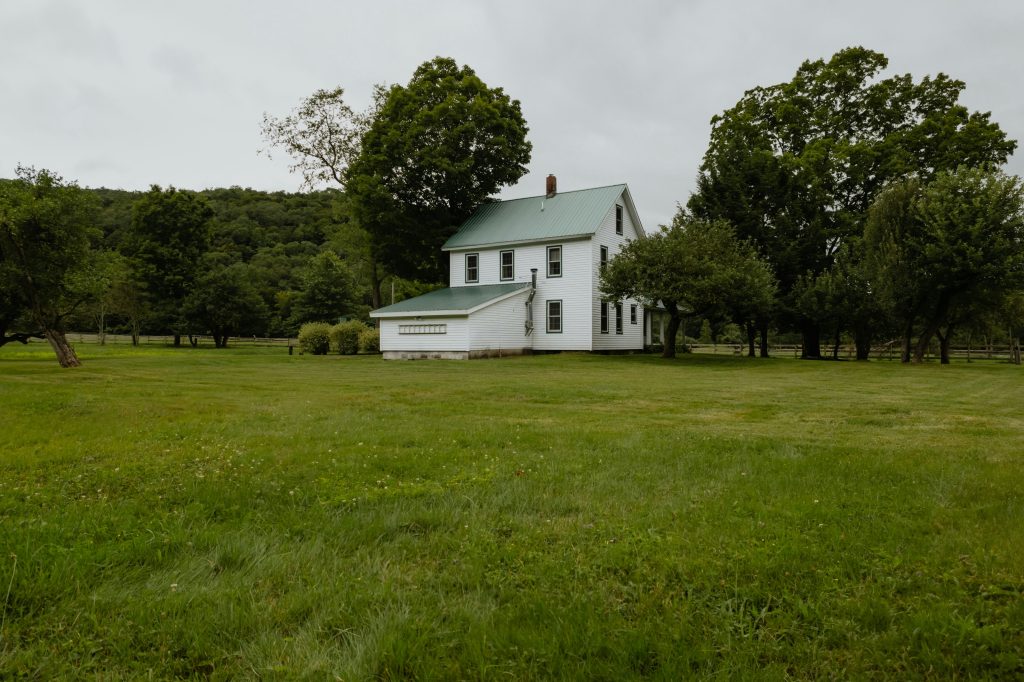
pixel 459 323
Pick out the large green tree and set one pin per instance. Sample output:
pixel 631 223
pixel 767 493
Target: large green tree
pixel 225 303
pixel 436 149
pixel 695 269
pixel 795 166
pixel 46 226
pixel 944 250
pixel 169 234
pixel 327 291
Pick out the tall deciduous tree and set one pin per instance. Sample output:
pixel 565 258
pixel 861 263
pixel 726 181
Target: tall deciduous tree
pixel 45 226
pixel 327 291
pixel 225 303
pixel 940 248
pixel 169 234
pixel 695 269
pixel 795 166
pixel 437 148
pixel 323 136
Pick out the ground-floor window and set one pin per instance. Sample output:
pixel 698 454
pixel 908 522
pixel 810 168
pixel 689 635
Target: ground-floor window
pixel 604 317
pixel 632 314
pixel 618 318
pixel 554 317
pixel 422 329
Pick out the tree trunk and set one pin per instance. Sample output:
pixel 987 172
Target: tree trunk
pixel 908 334
pixel 811 341
pixel 65 353
pixel 862 340
pixel 751 334
pixel 177 340
pixel 193 340
pixel 763 330
pixel 669 342
pixel 375 296
pixel 837 342
pixel 931 328
pixel 921 347
pixel 103 325
pixel 944 340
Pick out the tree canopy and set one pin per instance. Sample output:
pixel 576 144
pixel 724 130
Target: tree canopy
pixel 936 247
pixel 45 232
pixel 436 149
pixel 795 166
pixel 170 232
pixel 696 269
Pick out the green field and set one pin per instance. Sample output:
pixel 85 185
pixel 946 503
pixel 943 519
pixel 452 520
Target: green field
pixel 244 513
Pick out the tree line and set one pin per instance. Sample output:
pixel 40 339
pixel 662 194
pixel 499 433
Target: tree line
pixel 400 179
pixel 844 204
pixel 840 204
pixel 221 262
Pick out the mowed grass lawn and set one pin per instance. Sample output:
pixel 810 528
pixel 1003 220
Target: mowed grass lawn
pixel 247 514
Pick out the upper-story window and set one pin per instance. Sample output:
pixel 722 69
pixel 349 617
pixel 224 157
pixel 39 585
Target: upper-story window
pixel 618 219
pixel 472 268
pixel 554 261
pixel 618 318
pixel 604 257
pixel 507 265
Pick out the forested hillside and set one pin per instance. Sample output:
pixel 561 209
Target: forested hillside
pixel 269 262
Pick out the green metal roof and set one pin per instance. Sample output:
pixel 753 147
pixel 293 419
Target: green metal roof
pixel 452 299
pixel 567 214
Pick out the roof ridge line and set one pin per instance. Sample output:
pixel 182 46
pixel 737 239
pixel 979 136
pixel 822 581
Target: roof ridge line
pixel 571 191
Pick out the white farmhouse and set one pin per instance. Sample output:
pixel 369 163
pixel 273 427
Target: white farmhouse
pixel 525 278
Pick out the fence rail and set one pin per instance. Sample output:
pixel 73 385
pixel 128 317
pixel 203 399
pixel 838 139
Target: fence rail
pixel 168 340
pixel 890 351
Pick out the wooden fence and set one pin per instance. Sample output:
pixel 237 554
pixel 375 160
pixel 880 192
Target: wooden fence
pixel 168 340
pixel 888 351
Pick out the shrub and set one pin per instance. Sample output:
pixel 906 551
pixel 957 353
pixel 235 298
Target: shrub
pixel 315 338
pixel 369 341
pixel 345 336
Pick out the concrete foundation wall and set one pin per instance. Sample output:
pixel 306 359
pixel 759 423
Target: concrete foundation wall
pixel 454 355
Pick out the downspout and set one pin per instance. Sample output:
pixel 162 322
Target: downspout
pixel 529 301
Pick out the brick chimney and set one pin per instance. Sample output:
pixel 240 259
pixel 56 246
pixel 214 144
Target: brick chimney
pixel 552 186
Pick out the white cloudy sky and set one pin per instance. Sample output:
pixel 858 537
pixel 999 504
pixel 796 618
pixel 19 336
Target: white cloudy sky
pixel 133 92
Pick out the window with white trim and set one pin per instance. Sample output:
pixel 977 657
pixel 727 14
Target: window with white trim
pixel 472 268
pixel 604 317
pixel 618 219
pixel 618 318
pixel 554 317
pixel 508 270
pixel 632 313
pixel 423 329
pixel 554 261
pixel 604 257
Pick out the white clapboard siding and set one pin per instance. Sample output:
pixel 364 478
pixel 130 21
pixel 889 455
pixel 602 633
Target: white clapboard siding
pixel 456 337
pixel 632 337
pixel 500 326
pixel 573 288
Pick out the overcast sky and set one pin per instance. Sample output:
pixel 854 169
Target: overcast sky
pixel 127 94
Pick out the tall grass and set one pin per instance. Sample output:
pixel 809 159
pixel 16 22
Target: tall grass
pixel 227 514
